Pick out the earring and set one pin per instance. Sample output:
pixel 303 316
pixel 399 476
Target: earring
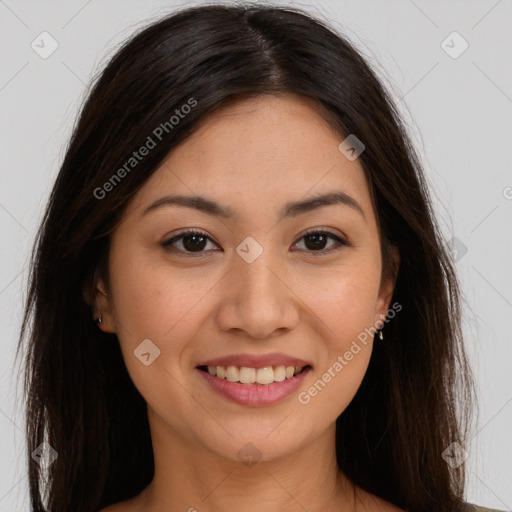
pixel 101 326
pixel 381 336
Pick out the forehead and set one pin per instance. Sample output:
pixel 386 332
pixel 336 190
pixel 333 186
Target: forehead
pixel 278 148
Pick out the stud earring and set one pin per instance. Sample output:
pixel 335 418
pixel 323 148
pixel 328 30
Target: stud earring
pixel 101 327
pixel 100 324
pixel 381 335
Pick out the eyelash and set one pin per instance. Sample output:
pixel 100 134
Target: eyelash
pixel 340 242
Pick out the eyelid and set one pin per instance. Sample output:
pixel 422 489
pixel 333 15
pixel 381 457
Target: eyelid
pixel 327 231
pixel 339 239
pixel 182 234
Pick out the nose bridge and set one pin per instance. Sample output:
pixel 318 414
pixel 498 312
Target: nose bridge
pixel 257 280
pixel 253 261
pixel 257 285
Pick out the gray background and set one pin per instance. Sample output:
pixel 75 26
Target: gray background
pixel 460 114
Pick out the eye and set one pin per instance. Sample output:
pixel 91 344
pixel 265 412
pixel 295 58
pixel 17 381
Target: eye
pixel 191 241
pixel 194 241
pixel 315 241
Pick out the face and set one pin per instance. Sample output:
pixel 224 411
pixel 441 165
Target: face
pixel 260 287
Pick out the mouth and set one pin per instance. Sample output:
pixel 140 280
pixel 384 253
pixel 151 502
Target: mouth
pixel 252 380
pixel 246 375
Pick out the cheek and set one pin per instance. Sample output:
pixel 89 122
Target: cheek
pixel 151 300
pixel 345 300
pixel 153 303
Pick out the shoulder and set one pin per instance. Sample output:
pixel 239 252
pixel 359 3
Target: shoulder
pixel 123 506
pixel 373 503
pixel 384 506
pixel 135 504
pixel 476 508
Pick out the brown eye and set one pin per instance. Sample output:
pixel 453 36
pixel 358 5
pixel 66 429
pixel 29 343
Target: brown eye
pixel 188 241
pixel 315 241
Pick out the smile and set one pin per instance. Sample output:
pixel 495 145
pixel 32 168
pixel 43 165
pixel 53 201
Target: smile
pixel 247 375
pixel 254 386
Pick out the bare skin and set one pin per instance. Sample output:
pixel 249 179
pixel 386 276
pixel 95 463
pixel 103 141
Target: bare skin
pixel 252 157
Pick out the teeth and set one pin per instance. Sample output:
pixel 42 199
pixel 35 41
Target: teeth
pixel 245 375
pixel 265 375
pixel 279 373
pixel 232 373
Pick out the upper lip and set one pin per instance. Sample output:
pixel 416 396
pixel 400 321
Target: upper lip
pixel 255 361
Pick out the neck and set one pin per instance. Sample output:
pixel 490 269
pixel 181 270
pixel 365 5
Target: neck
pixel 191 478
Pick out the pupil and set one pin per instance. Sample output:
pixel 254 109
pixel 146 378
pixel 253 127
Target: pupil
pixel 194 246
pixel 198 242
pixel 318 238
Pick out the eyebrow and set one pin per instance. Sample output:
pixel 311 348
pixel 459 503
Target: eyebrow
pixel 290 209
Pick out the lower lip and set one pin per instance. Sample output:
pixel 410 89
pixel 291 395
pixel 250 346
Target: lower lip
pixel 255 394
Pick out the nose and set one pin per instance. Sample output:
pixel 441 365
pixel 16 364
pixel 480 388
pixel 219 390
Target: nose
pixel 257 299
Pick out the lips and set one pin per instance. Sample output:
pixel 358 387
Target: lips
pixel 255 361
pixel 254 379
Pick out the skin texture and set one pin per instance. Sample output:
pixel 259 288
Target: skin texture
pixel 252 157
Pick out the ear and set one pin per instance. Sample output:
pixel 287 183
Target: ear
pixel 102 306
pixel 387 285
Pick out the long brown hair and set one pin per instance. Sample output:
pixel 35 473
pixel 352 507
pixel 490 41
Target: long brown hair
pixel 416 396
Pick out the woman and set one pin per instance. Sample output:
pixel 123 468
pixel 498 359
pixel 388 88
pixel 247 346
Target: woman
pixel 242 214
